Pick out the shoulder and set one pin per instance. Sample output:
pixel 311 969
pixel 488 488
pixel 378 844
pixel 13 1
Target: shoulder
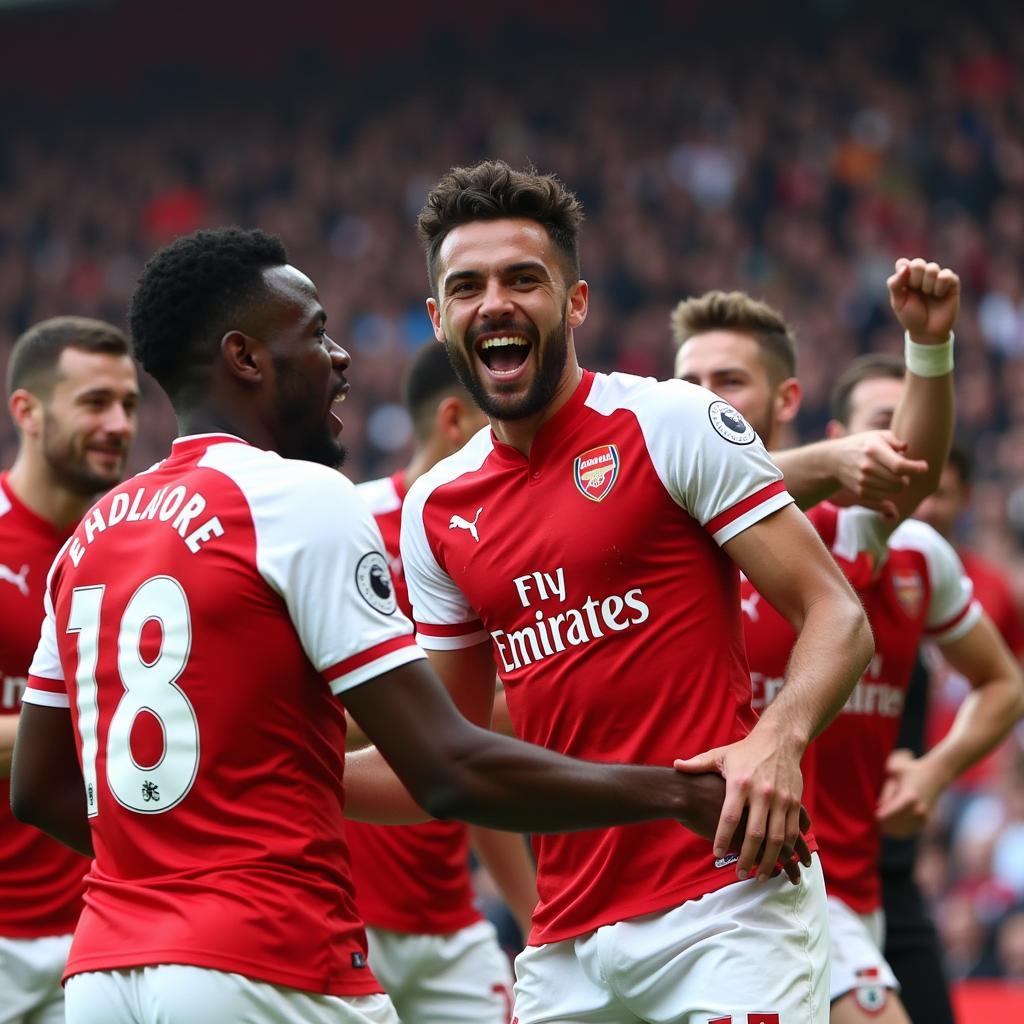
pixel 470 459
pixel 940 556
pixel 915 535
pixel 611 391
pixel 304 491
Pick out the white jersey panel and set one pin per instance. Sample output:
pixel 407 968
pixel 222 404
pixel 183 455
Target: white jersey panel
pixel 46 661
pixel 860 529
pixel 705 454
pixel 379 496
pixel 319 548
pixel 435 597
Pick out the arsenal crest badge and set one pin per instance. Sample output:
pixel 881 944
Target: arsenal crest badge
pixel 595 471
pixel 909 590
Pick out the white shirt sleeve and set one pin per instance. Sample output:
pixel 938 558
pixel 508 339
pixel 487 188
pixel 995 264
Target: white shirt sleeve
pixel 46 675
pixel 708 457
pixel 445 620
pixel 320 549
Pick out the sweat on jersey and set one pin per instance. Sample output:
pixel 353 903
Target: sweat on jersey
pixel 199 623
pixel 912 588
pixel 408 878
pixel 594 568
pixel 40 879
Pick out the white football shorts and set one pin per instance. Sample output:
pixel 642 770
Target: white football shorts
pixel 30 973
pixel 460 978
pixel 858 965
pixel 181 994
pixel 747 954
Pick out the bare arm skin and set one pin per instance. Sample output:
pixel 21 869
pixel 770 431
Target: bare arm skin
pixel 455 769
pixel 458 770
pixel 783 557
pixel 46 781
pixel 8 730
pixel 985 718
pixel 870 467
pixel 926 300
pixel 893 470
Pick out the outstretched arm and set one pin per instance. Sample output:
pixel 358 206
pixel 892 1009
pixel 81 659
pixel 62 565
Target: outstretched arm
pixel 870 466
pixel 926 300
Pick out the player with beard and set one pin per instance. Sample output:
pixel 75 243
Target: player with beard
pixel 72 393
pixel 911 584
pixel 201 622
pixel 586 546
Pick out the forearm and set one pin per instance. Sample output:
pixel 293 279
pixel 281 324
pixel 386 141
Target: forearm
pixel 8 730
pixel 924 419
pixel 832 649
pixel 502 783
pixel 508 861
pixel 62 816
pixel 810 472
pixel 983 720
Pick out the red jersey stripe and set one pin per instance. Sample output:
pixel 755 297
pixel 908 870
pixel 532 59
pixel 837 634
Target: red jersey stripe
pixel 343 668
pixel 730 515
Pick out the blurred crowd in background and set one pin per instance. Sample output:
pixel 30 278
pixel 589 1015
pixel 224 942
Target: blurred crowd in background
pixel 794 158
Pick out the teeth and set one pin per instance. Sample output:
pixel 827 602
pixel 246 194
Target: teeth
pixel 503 342
pixel 341 398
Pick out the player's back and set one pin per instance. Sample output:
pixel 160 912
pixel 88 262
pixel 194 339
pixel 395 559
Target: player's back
pixel 211 745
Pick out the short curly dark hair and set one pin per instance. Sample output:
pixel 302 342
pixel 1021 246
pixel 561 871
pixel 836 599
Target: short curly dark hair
pixel 491 190
pixel 189 295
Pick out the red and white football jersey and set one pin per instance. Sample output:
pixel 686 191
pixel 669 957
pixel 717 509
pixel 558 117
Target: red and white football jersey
pixel 912 588
pixel 412 878
pixel 40 879
pixel 201 621
pixel 594 568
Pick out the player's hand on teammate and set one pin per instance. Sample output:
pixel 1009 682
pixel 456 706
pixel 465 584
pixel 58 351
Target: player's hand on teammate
pixel 706 794
pixel 871 467
pixel 762 792
pixel 925 298
pixel 908 795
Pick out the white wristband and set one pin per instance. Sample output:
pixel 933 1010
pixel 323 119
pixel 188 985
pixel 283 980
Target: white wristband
pixel 929 360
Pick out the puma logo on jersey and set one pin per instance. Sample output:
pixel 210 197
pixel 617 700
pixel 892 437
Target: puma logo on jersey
pixel 18 579
pixel 749 606
pixel 458 523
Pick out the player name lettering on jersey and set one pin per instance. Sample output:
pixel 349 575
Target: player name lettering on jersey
pixel 550 635
pixel 173 505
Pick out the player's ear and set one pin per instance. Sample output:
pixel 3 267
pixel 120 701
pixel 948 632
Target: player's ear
pixel 578 296
pixel 244 356
pixel 26 411
pixel 788 396
pixel 448 422
pixel 434 312
pixel 834 430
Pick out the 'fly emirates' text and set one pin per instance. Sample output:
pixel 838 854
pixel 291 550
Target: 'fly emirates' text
pixel 550 635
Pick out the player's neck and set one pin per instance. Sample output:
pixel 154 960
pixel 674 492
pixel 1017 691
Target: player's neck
pixel 519 434
pixel 214 421
pixel 35 486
